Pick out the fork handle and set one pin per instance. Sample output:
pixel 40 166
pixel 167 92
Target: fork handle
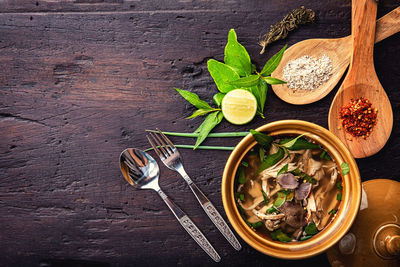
pixel 190 227
pixel 215 217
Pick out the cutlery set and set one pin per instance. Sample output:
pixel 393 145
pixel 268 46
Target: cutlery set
pixel 141 171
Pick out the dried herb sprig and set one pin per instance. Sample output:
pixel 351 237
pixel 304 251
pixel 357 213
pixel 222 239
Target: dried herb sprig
pixel 290 22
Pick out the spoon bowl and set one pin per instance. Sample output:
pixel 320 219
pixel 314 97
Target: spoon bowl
pixel 141 171
pixel 139 168
pixel 362 81
pixel 338 50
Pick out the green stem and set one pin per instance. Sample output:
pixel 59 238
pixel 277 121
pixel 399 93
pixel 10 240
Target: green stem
pixel 228 134
pixel 228 148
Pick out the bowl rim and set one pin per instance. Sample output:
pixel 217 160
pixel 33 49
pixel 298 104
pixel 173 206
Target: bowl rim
pixel 334 231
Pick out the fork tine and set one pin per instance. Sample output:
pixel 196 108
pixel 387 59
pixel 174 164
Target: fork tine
pixel 160 145
pixel 157 150
pixel 163 144
pixel 166 139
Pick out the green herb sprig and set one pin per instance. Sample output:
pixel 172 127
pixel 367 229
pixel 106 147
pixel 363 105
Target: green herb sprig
pixel 237 71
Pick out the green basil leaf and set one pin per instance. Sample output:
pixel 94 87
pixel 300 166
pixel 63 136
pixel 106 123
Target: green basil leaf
pixel 242 176
pixel 222 75
pixel 193 99
pixel 260 93
pixel 311 229
pixel 280 199
pixel 339 197
pixel 271 80
pixel 279 235
pixel 345 168
pixel 266 200
pixel 253 68
pixel 244 163
pixel 261 153
pixel 324 155
pixel 305 176
pixel 200 112
pixel 271 160
pixel 290 144
pixel 236 55
pixel 246 81
pixel 339 186
pixel 273 62
pixel 257 224
pixel 297 143
pixel 217 98
pixel 283 169
pixel 262 139
pixel 241 197
pixel 212 120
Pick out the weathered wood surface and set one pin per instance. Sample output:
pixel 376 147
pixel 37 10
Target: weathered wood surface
pixel 81 80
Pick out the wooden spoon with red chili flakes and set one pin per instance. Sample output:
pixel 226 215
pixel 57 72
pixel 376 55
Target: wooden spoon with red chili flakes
pixel 362 83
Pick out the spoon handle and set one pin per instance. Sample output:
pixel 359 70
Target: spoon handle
pixel 363 34
pixel 388 25
pixel 190 227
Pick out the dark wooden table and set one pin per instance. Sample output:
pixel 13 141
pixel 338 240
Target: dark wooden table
pixel 81 80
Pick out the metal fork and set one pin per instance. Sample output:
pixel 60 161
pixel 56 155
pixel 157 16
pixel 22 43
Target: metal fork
pixel 171 158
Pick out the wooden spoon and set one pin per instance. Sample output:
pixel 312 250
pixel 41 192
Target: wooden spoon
pixel 339 50
pixel 361 81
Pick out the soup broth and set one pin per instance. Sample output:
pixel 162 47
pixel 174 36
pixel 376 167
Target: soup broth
pixel 288 188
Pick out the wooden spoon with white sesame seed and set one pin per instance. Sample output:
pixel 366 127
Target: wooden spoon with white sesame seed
pixel 339 50
pixel 362 82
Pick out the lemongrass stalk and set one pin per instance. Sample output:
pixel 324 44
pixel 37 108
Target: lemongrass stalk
pixel 227 134
pixel 227 148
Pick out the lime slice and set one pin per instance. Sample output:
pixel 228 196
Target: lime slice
pixel 239 106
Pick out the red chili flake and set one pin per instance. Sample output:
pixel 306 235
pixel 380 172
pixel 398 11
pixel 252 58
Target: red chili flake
pixel 358 117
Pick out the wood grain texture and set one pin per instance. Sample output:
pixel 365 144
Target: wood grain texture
pixel 338 50
pixel 362 81
pixel 80 81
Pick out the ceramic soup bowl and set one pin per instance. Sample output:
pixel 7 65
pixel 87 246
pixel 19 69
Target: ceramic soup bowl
pixel 348 206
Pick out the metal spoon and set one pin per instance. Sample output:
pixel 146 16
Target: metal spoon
pixel 141 171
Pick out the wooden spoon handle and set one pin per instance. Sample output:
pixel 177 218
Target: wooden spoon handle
pixel 363 34
pixel 388 25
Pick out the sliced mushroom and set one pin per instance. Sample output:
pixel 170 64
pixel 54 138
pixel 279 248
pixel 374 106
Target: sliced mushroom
pixel 294 214
pixel 287 181
pixel 268 216
pixel 303 191
pixel 254 204
pixel 313 166
pixel 272 225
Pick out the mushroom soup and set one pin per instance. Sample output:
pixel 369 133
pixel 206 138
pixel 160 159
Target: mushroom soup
pixel 288 187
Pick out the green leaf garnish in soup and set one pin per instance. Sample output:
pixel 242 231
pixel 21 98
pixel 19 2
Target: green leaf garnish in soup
pixel 242 176
pixel 257 224
pixel 345 168
pixel 332 211
pixel 271 210
pixel 284 169
pixel 280 199
pixel 271 160
pixel 325 155
pixel 297 143
pixel 261 138
pixel 303 238
pixel 311 229
pixel 281 236
pixel 266 200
